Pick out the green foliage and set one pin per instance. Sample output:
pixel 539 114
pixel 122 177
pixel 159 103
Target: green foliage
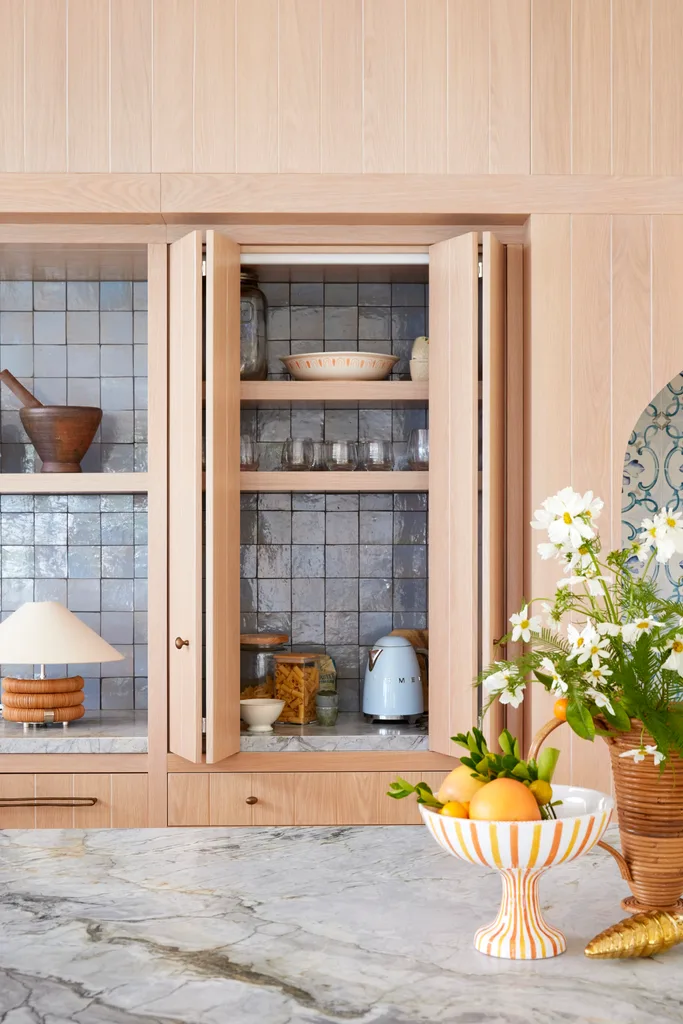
pixel 400 789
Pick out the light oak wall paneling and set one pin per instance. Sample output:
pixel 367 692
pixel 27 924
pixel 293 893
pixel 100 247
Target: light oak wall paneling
pixel 188 799
pixel 667 87
pixel 157 278
pixel 384 85
pixel 45 85
pixel 667 301
pixel 228 795
pixel 631 76
pixel 129 801
pixel 275 793
pixel 315 799
pixel 214 86
pixel 88 85
pixel 453 412
pixel 12 85
pixel 548 410
pixel 341 87
pixel 359 798
pixel 426 86
pixel 54 817
pixel 11 788
pixel 98 786
pixel 185 603
pixel 131 85
pixel 551 73
pixel 631 341
pixel 591 355
pixel 299 55
pixel 510 92
pixel 468 87
pixel 173 85
pixel 256 86
pixel 591 101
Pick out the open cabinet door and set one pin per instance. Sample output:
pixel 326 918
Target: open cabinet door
pixel 222 497
pixel 185 497
pixel 466 526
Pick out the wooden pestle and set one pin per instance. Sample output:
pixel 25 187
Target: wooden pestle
pixel 27 400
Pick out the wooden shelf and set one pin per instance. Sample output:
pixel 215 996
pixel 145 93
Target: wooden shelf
pixel 356 481
pixel 73 483
pixel 375 392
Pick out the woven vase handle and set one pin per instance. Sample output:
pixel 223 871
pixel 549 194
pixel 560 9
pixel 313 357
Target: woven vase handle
pixel 536 744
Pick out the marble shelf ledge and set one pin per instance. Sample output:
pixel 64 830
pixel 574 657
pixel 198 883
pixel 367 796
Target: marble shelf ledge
pixel 351 732
pixel 98 732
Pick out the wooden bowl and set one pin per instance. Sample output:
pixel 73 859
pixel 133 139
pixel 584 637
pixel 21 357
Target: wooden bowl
pixel 61 434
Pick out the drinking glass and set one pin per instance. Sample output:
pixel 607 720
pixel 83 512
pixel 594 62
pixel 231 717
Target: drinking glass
pixel 297 454
pixel 249 458
pixel 418 449
pixel 341 456
pixel 377 455
pixel 319 462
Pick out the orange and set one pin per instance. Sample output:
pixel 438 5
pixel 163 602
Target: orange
pixel 453 809
pixel 560 709
pixel 504 800
pixel 459 785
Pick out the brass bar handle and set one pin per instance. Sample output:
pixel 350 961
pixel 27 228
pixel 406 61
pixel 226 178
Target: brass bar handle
pixel 180 643
pixel 252 800
pixel 48 801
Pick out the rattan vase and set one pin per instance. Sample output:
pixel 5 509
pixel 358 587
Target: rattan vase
pixel 650 812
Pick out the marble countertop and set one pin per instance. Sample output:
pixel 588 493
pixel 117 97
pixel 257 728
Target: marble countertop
pixel 351 732
pixel 98 732
pixel 317 925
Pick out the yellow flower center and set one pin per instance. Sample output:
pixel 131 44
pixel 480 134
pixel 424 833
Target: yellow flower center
pixel 583 550
pixel 643 625
pixel 652 531
pixel 524 624
pixel 580 641
pixel 594 649
pixel 596 673
pixel 567 518
pixel 588 514
pixel 670 522
pixel 677 646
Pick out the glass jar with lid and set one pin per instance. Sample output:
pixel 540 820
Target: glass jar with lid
pixel 253 347
pixel 257 667
pixel 297 679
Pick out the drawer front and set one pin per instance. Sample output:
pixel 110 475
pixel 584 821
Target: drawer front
pixel 291 798
pixel 121 800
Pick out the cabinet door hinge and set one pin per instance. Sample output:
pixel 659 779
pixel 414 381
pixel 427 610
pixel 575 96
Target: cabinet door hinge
pixel 480 268
pixel 204 726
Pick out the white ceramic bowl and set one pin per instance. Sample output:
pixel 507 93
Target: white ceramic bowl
pixel 260 712
pixel 521 851
pixel 340 365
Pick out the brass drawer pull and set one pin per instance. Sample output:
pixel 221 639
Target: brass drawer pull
pixel 180 643
pixel 252 799
pixel 48 801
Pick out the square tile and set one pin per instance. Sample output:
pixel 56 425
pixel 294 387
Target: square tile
pixel 376 502
pixel 82 295
pixel 273 425
pixel 82 328
pixel 308 628
pixel 307 293
pixel 17 561
pixel 117 528
pixel 303 502
pixel 376 560
pixel 341 527
pixel 349 694
pixel 141 693
pixel 16 295
pixel 16 328
pixel 140 330
pixel 342 502
pixel 274 595
pixel 49 328
pixel 84 562
pixel 341 425
pixel 341 324
pixel 16 592
pixel 341 627
pixel 50 561
pixel 410 528
pixel 18 359
pixel 247 596
pixel 407 294
pixel 116 393
pixel 83 360
pixel 276 292
pixel 274 561
pixel 308 528
pixel 119 561
pixel 49 295
pixel 342 560
pixel 376 527
pixel 116 360
pixel 49 360
pixel 117 627
pixel 274 527
pixel 117 693
pixel 84 528
pixel 306 323
pixel 410 561
pixel 116 595
pixel 274 502
pixel 308 595
pixel 50 590
pixel 278 325
pixel 341 595
pixel 341 294
pixel 248 560
pixel 308 560
pixel 410 595
pixel 373 625
pixel 140 295
pixel 375 595
pixel 247 527
pixel 17 527
pixel 116 328
pixel 345 657
pixel 116 295
pixel 374 324
pixel 374 294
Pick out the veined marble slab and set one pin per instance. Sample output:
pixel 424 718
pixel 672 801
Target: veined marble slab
pixel 98 732
pixel 316 925
pixel 351 732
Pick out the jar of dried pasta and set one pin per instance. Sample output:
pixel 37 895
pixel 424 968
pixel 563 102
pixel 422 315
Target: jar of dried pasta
pixel 257 668
pixel 297 679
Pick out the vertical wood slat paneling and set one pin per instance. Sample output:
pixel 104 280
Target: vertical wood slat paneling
pixel 12 85
pixel 426 87
pixel 88 85
pixel 214 86
pixel 667 300
pixel 131 85
pixel 631 87
pixel 299 86
pixel 591 87
pixel 551 87
pixel 45 85
pixel 468 87
pixel 384 87
pixel 256 86
pixel 173 85
pixel 667 87
pixel 341 87
pixel 509 118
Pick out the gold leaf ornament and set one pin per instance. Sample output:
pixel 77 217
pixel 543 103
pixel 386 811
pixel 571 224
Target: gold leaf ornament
pixel 638 936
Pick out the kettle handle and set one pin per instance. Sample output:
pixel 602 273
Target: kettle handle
pixel 373 657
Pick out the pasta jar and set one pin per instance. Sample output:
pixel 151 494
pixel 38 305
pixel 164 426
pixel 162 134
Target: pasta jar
pixel 297 679
pixel 257 668
pixel 253 348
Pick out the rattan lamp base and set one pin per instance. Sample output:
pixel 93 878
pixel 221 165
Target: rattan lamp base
pixel 42 716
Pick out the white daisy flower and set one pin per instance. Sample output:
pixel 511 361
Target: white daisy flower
pixel 597 676
pixel 513 696
pixel 524 625
pixel 548 668
pixel 632 630
pixel 581 642
pixel 656 753
pixel 566 517
pixel 638 754
pixel 608 628
pixel 675 659
pixel 499 680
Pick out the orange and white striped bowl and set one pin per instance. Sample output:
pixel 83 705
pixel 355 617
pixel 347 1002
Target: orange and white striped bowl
pixel 521 851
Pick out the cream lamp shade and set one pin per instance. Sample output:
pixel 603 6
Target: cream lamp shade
pixel 47 633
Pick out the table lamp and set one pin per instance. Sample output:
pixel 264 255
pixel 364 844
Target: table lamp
pixel 46 633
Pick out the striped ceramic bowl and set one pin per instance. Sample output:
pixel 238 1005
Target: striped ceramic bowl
pixel 522 851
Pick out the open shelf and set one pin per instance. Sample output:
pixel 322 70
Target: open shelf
pixel 358 480
pixel 73 483
pixel 377 392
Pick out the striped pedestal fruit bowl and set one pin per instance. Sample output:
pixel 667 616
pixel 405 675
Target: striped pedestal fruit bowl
pixel 522 851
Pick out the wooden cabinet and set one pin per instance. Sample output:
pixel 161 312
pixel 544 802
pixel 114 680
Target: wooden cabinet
pixel 121 800
pixel 289 798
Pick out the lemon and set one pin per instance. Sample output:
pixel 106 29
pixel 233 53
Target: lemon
pixel 454 809
pixel 543 792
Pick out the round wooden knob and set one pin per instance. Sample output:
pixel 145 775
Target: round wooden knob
pixel 252 799
pixel 180 643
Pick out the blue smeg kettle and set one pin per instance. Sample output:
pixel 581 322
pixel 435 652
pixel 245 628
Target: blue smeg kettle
pixel 393 687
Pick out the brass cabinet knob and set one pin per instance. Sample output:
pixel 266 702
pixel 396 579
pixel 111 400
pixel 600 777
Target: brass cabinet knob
pixel 252 799
pixel 180 643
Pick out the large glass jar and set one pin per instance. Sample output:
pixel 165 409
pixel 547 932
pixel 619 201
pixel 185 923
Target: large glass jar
pixel 297 680
pixel 253 349
pixel 257 667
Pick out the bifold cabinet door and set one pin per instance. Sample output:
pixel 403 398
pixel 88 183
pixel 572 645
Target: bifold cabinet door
pixel 466 524
pixel 194 335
